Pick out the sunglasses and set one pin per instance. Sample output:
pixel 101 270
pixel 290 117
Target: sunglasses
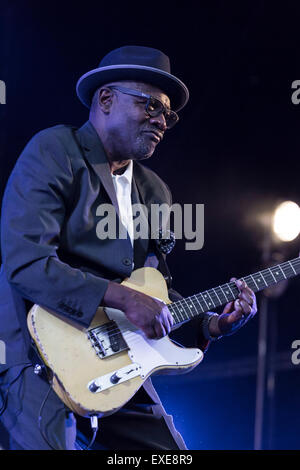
pixel 153 107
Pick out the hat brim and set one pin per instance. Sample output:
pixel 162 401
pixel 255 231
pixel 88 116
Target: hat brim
pixel 174 88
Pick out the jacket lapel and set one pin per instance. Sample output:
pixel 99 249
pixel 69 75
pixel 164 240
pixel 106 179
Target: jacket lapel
pixel 141 245
pixel 95 154
pixel 144 189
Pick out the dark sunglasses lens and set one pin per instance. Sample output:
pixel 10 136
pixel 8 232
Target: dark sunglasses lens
pixel 171 119
pixel 155 108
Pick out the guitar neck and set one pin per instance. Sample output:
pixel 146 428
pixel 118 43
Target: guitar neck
pixel 188 308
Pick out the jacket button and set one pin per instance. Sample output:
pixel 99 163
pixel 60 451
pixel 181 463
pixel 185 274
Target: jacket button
pixel 127 261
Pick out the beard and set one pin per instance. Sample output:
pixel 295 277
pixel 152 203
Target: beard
pixel 144 147
pixel 130 145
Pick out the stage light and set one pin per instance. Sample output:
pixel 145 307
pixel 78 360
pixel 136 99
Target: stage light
pixel 286 221
pixel 280 225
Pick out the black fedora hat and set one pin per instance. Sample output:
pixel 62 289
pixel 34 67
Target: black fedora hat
pixel 135 63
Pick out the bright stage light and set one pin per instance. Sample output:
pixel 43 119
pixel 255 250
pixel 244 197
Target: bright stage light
pixel 286 221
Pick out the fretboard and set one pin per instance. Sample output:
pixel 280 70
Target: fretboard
pixel 185 309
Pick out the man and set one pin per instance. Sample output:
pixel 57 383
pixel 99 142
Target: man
pixel 52 254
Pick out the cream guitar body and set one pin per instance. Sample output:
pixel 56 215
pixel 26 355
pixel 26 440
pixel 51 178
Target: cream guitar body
pixel 96 370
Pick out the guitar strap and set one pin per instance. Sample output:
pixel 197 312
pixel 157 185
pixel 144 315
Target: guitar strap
pixel 143 247
pixel 164 269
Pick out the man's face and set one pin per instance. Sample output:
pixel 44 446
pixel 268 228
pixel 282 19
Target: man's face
pixel 134 133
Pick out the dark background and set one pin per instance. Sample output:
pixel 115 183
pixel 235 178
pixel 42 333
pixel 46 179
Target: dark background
pixel 235 149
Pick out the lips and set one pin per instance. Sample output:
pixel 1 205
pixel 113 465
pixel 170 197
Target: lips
pixel 156 136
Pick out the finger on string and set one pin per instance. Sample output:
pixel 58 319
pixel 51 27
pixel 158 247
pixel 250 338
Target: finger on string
pixel 246 298
pixel 246 308
pixel 241 285
pixel 228 307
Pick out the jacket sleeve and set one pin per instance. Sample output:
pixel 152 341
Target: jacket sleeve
pixel 33 214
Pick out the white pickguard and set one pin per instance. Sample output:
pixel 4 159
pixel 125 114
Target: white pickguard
pixel 151 354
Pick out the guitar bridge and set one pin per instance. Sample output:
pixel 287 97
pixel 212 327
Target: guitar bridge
pixel 107 339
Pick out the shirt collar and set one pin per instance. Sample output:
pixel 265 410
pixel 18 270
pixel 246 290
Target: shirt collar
pixel 127 173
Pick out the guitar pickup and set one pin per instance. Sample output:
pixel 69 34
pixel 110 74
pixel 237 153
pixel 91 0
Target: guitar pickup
pixel 107 339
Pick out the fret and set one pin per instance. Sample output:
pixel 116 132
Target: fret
pixel 261 275
pixel 193 305
pixel 221 295
pixel 227 300
pixel 272 274
pixel 249 282
pixel 215 292
pixel 211 303
pixel 254 282
pixel 190 306
pixel 236 291
pixel 277 273
pixel 292 267
pixel 172 307
pixel 187 309
pixel 252 277
pixel 268 277
pixel 233 291
pixel 282 271
pixel 204 300
pixel 201 302
pixel 286 269
pixel 296 265
pixel 233 296
pixel 202 310
pixel 183 312
pixel 214 298
pixel 184 309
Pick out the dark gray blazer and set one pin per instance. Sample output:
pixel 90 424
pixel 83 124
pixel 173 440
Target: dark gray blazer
pixel 50 250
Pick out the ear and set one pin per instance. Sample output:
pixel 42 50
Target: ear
pixel 105 99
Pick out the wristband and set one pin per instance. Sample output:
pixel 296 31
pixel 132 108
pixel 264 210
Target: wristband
pixel 205 326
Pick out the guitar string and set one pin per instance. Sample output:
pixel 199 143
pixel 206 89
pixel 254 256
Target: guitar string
pixel 286 265
pixel 233 286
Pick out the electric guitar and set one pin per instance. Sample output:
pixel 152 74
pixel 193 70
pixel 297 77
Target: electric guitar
pixel 96 370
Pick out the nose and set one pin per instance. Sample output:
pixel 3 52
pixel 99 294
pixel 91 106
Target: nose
pixel 159 121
